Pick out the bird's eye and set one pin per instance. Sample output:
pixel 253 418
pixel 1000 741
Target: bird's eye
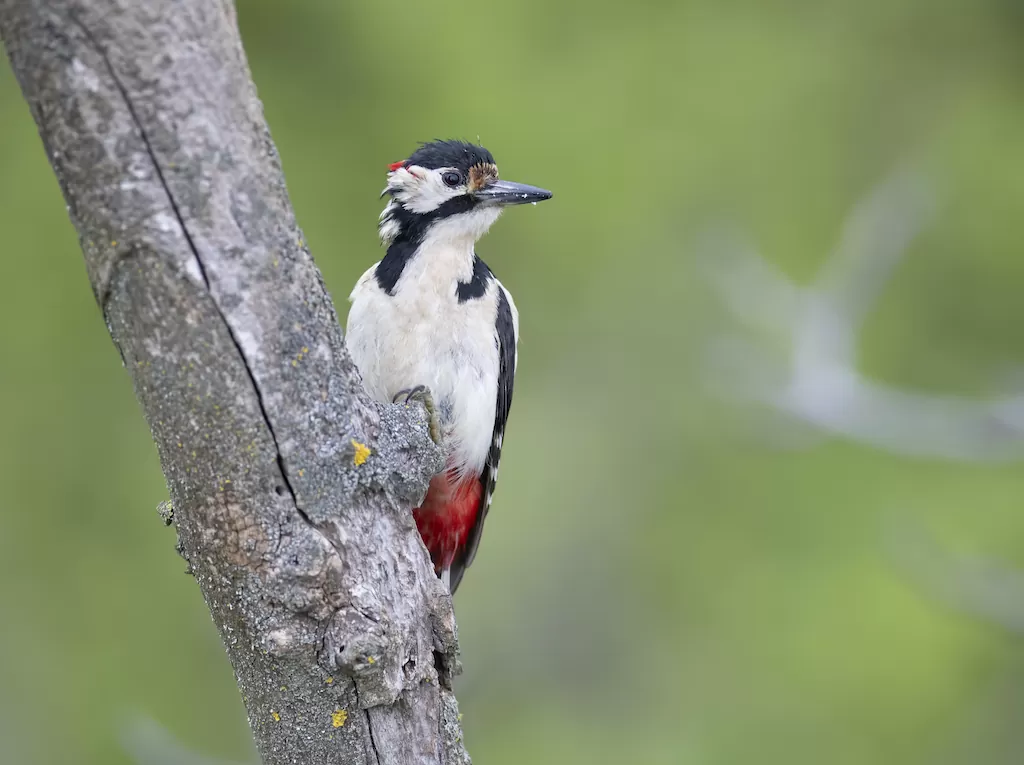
pixel 452 179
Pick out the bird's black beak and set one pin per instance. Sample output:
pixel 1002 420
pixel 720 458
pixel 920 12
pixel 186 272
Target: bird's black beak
pixel 507 193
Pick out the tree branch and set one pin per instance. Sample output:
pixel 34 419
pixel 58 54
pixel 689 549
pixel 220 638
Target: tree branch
pixel 291 489
pixel 818 383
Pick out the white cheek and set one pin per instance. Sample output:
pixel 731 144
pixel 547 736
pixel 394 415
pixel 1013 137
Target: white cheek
pixel 422 191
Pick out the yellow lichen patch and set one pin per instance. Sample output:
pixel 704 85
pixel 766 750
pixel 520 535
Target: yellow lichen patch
pixel 275 715
pixel 362 452
pixel 339 717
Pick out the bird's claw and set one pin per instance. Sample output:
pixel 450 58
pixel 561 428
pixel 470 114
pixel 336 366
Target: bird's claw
pixel 422 394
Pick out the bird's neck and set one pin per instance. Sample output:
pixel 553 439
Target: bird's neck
pixel 435 260
pixel 427 252
pixel 445 258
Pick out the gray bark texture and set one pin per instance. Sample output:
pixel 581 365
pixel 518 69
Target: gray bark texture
pixel 291 490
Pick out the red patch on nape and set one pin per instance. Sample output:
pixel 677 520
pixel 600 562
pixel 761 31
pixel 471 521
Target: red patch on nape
pixel 395 165
pixel 447 515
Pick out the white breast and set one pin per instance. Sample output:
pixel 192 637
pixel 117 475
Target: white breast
pixel 422 335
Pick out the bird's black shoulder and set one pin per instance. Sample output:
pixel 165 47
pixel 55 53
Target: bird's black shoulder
pixel 391 266
pixel 477 284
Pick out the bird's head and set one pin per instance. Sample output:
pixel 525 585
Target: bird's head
pixel 450 188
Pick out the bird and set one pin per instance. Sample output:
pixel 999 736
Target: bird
pixel 430 322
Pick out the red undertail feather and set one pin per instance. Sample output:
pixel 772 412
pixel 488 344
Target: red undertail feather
pixel 447 515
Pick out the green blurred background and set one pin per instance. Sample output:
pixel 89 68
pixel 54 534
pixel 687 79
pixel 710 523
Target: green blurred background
pixel 668 576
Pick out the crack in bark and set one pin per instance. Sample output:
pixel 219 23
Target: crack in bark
pixel 373 741
pixel 369 724
pixel 179 217
pixel 151 153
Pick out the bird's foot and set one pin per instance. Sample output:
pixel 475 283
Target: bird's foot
pixel 422 394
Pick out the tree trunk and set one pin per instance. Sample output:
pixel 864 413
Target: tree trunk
pixel 290 488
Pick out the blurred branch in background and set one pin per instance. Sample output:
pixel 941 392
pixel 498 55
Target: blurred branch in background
pixel 341 637
pixel 815 379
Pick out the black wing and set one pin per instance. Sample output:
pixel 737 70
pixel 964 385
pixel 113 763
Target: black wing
pixel 506 340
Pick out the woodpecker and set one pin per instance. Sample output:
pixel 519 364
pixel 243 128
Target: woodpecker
pixel 431 322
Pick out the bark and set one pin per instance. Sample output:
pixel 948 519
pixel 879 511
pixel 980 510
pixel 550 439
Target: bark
pixel 290 488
